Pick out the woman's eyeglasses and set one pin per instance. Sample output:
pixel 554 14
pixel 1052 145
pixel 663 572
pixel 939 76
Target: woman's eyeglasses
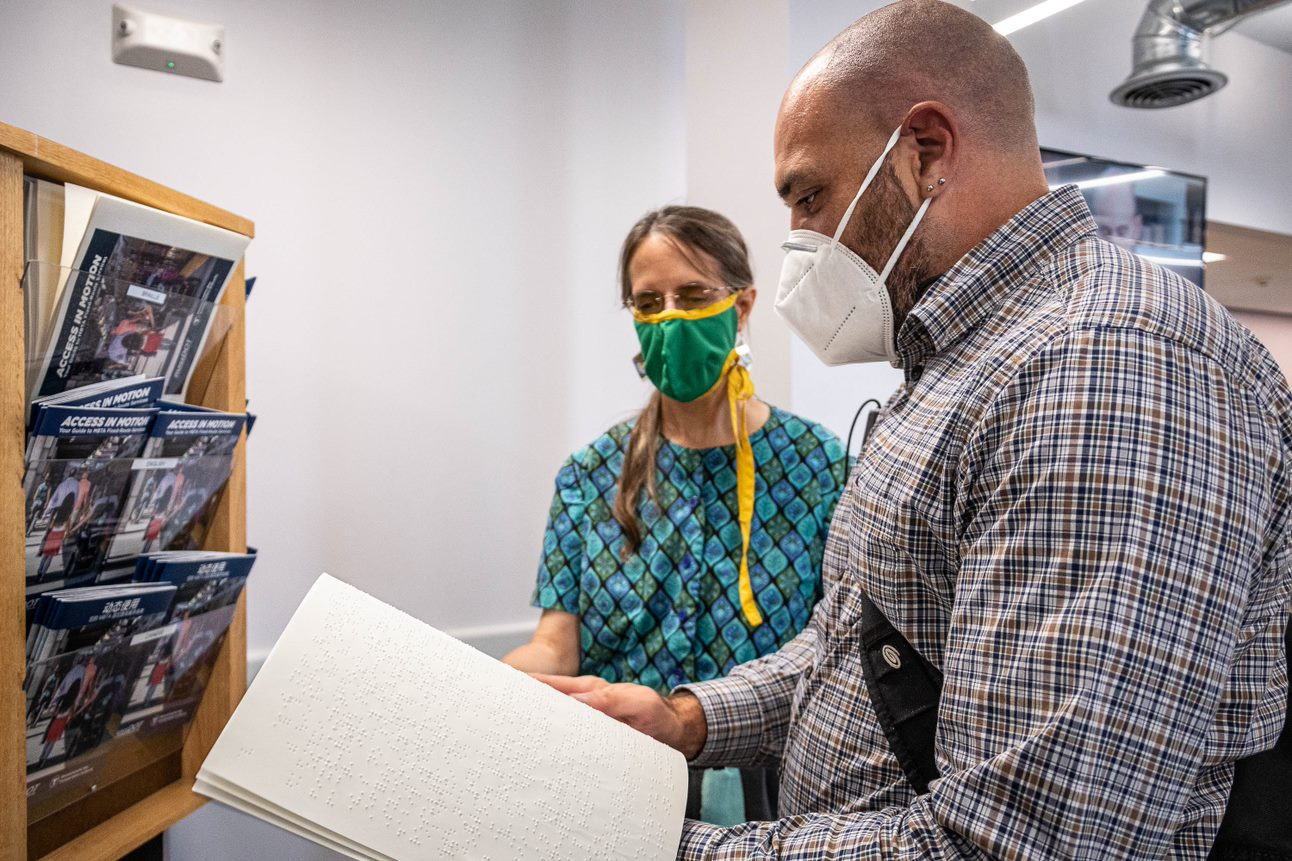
pixel 689 297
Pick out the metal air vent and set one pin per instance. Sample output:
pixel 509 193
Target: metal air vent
pixel 1168 89
pixel 1168 68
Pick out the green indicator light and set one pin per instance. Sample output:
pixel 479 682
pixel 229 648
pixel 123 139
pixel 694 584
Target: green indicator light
pixel 170 64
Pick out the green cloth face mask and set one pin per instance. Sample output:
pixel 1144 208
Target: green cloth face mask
pixel 684 352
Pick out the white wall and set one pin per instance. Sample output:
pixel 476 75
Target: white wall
pixel 1074 59
pixel 736 54
pixel 439 189
pixel 1275 332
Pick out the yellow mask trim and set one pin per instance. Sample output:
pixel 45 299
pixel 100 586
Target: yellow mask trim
pixel 740 391
pixel 697 314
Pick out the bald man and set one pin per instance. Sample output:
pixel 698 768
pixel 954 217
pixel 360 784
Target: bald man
pixel 1075 508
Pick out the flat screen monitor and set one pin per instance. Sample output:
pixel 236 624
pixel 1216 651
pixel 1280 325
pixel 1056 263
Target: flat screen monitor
pixel 1157 213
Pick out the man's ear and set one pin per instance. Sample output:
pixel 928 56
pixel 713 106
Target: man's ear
pixel 936 139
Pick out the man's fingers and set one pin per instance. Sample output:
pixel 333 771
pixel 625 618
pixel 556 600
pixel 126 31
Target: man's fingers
pixel 571 684
pixel 610 702
pixel 636 705
pixel 596 699
pixel 589 690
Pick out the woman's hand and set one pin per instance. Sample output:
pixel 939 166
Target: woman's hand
pixel 554 647
pixel 677 720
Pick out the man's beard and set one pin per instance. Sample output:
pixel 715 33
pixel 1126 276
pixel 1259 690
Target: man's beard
pixel 882 216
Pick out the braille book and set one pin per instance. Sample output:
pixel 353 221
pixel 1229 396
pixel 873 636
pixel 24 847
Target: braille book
pixel 377 736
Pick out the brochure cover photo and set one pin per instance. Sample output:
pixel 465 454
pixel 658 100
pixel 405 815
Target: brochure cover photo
pixel 79 467
pixel 139 296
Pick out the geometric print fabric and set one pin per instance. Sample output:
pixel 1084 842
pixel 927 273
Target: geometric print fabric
pixel 670 614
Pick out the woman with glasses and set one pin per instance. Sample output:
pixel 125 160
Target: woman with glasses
pixel 688 540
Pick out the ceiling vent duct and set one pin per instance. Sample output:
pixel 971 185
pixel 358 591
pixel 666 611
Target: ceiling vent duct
pixel 1168 68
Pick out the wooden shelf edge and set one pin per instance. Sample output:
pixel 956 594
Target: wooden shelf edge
pixel 133 827
pixel 13 663
pixel 49 160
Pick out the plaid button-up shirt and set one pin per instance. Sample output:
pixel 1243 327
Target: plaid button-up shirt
pixel 1077 507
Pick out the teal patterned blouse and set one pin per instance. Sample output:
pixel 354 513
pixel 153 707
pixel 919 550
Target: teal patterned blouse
pixel 671 613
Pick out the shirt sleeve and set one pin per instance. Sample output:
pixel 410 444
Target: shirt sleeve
pixel 747 712
pixel 561 564
pixel 1117 502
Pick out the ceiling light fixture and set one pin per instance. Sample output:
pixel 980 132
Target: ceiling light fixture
pixel 1031 15
pixel 1065 162
pixel 1100 182
pixel 1192 262
pixel 1134 176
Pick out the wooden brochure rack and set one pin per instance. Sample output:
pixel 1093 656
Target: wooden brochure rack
pixel 115 818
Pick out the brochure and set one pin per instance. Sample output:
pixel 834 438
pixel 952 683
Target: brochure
pixel 130 392
pixel 82 653
pixel 169 687
pixel 140 294
pixel 186 461
pixel 79 465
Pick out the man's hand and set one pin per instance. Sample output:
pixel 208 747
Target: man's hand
pixel 677 720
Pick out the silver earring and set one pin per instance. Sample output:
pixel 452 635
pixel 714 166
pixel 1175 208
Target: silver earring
pixel 942 181
pixel 930 188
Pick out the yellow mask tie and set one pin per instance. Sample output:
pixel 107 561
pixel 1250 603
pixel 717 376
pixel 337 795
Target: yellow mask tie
pixel 740 390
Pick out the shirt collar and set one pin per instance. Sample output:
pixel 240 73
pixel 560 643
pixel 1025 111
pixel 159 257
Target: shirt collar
pixel 961 298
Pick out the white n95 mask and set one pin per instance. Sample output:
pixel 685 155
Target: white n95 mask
pixel 831 298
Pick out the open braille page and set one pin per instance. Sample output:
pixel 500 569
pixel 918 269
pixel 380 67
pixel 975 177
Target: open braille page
pixel 380 737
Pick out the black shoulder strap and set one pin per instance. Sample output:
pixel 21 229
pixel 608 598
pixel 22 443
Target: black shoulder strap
pixel 1258 819
pixel 904 689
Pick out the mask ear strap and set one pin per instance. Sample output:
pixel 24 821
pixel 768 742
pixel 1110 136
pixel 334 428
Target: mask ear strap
pixel 865 183
pixel 906 237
